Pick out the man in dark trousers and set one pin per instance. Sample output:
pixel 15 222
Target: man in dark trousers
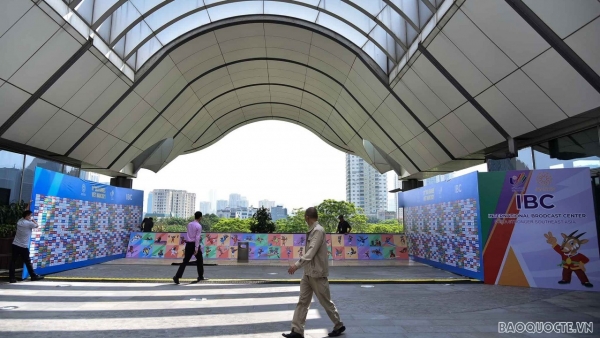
pixel 192 248
pixel 20 247
pixel 343 226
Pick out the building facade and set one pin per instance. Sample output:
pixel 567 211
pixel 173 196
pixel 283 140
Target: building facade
pixel 221 205
pixel 177 203
pixel 149 208
pixel 266 204
pixel 365 187
pixel 278 212
pixel 205 208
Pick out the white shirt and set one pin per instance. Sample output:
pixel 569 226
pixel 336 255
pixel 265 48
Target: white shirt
pixel 23 235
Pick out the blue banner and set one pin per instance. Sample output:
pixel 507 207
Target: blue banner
pixel 443 224
pixel 80 222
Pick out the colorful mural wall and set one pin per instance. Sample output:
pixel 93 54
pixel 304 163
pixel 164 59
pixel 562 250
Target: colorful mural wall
pixel 268 246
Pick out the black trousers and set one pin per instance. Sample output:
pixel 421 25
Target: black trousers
pixel 189 252
pixel 24 253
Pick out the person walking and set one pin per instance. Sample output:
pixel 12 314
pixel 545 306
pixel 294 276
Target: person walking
pixel 148 224
pixel 316 270
pixel 192 248
pixel 20 247
pixel 343 227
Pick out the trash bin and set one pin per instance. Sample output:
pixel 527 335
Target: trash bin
pixel 243 252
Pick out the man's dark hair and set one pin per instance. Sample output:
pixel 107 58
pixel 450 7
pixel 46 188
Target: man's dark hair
pixel 341 216
pixel 152 219
pixel 27 213
pixel 197 215
pixel 312 213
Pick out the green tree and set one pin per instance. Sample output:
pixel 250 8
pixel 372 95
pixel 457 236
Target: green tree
pixel 261 222
pixel 208 221
pixel 231 225
pixel 292 224
pixel 329 210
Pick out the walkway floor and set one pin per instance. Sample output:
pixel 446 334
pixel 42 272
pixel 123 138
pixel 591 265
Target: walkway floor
pixel 73 309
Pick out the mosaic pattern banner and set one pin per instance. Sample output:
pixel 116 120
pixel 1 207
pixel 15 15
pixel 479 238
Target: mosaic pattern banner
pixel 443 224
pixel 81 222
pixel 268 246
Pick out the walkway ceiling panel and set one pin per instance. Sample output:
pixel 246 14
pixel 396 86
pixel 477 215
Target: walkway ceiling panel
pixel 152 78
pixel 351 110
pixel 175 116
pixel 130 120
pixel 364 102
pixel 435 150
pixel 323 82
pixel 586 44
pixel 120 112
pixel 256 97
pixel 424 94
pixel 140 125
pixel 417 156
pixel 101 149
pixel 441 133
pixel 112 154
pixel 478 125
pixel 399 157
pixel 52 130
pixel 92 89
pixel 328 69
pixel 224 107
pixel 457 64
pixel 151 133
pixel 200 124
pixel 518 40
pixel 504 112
pixel 206 55
pixel 230 119
pixel 530 100
pixel 173 77
pixel 392 125
pixel 266 110
pixel 459 130
pixel 126 158
pixel 211 81
pixel 75 78
pixel 88 145
pixel 31 122
pixel 170 93
pixel 564 18
pixel 97 109
pixel 313 122
pixel 426 71
pixel 341 127
pixel 414 104
pixel 369 132
pixel 551 72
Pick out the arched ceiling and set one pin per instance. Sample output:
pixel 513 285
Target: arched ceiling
pixel 482 72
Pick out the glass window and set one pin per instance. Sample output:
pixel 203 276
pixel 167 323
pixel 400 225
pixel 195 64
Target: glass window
pixel 525 159
pixel 29 173
pixel 11 173
pixel 581 149
pixel 71 171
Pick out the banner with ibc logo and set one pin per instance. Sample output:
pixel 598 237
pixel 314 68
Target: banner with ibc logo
pixel 542 229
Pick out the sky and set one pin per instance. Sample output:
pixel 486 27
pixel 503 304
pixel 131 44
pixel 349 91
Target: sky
pixel 271 160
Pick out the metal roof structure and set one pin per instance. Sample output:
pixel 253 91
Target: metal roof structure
pixel 420 87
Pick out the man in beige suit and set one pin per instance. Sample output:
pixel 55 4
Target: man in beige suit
pixel 316 271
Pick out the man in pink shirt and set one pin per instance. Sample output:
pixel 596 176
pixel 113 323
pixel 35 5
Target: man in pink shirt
pixel 192 247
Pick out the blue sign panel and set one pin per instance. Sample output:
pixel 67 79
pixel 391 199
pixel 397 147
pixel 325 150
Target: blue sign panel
pixel 81 222
pixel 443 224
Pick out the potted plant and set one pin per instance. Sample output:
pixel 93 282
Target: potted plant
pixel 9 215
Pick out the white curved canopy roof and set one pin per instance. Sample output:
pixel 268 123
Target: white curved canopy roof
pixel 481 73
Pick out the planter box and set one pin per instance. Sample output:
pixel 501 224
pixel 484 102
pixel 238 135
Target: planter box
pixel 6 253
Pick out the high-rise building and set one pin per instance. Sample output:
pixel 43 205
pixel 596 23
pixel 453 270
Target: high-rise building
pixel 212 197
pixel 175 203
pixel 234 200
pixel 221 205
pixel 266 203
pixel 243 203
pixel 278 212
pixel 205 208
pixel 149 209
pixel 365 187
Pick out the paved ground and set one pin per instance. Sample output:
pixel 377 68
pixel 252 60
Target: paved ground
pixel 252 311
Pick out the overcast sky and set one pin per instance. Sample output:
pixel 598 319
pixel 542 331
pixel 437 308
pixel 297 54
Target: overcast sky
pixel 272 160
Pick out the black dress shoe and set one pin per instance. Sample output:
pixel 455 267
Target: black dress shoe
pixel 13 280
pixel 292 335
pixel 564 282
pixel 201 279
pixel 338 332
pixel 588 284
pixel 37 277
pixel 176 280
